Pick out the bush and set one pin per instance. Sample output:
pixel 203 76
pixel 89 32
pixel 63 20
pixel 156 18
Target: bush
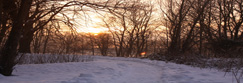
pixel 227 48
pixel 51 58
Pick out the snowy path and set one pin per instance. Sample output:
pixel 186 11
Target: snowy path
pixel 115 70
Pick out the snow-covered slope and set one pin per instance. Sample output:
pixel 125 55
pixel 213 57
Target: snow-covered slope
pixel 115 70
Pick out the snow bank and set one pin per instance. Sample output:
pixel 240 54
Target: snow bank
pixel 115 70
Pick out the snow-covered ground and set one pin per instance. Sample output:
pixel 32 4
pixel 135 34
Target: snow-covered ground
pixel 115 70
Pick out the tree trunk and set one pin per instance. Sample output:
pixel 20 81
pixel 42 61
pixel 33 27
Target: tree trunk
pixel 9 51
pixel 26 38
pixel 46 42
pixel 3 30
pixel 25 41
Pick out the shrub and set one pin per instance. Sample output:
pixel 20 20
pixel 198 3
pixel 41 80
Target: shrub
pixel 51 58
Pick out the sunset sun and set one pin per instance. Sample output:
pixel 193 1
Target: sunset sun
pixel 94 30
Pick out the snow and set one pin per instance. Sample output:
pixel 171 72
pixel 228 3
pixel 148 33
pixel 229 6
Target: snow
pixel 115 70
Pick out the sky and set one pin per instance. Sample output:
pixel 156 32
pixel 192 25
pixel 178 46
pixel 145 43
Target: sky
pixel 87 21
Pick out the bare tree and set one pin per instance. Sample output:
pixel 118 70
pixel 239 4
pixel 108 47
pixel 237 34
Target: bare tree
pixel 18 16
pixel 183 17
pixel 40 16
pixel 130 28
pixel 103 41
pixel 226 34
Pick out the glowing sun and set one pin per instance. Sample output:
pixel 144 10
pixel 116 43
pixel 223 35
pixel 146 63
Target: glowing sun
pixel 94 31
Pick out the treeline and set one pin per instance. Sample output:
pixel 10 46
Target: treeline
pixel 72 43
pixel 205 27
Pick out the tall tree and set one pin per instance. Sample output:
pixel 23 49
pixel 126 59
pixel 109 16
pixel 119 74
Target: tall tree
pixel 130 27
pixel 183 17
pixel 18 17
pixel 103 42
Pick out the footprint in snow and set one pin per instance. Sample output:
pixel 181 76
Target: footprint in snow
pixel 203 74
pixel 83 78
pixel 85 75
pixel 121 65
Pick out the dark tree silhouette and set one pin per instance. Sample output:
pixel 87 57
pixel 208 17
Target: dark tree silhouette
pixel 18 18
